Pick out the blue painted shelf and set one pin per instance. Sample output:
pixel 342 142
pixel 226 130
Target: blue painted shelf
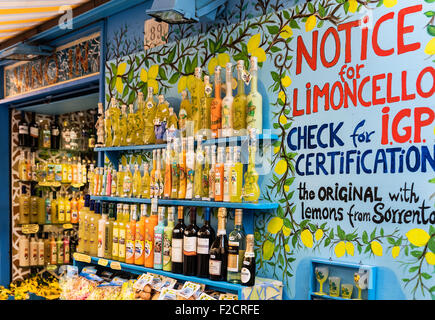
pixel 262 205
pixel 229 140
pixel 136 269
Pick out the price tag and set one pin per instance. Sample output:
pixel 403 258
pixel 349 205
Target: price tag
pixel 82 257
pixel 67 226
pixel 29 228
pixel 51 267
pixel 115 265
pixel 103 262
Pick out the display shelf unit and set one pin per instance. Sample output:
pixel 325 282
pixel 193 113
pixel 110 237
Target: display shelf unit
pixel 262 205
pixel 136 269
pixel 344 270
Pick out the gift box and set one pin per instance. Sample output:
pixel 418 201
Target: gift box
pixel 263 289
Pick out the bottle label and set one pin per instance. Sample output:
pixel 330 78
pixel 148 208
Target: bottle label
pixel 214 267
pixel 129 250
pixel 203 246
pixel 148 248
pixel 157 248
pixel 245 275
pixel 121 249
pixel 23 129
pixel 217 184
pixel 34 132
pixel 115 244
pixel 233 256
pixel 55 132
pixel 189 246
pixel 138 249
pixel 177 250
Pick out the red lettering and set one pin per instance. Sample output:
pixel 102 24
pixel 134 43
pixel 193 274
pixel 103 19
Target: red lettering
pixel 376 88
pixel 419 123
pixel 348 93
pixel 385 119
pixel 394 127
pixel 336 85
pixel 360 90
pixel 320 93
pixel 347 27
pixel 391 99
pixel 337 50
pixel 405 95
pixel 420 91
pixel 302 51
pixel 296 112
pixel 401 30
pixel 376 48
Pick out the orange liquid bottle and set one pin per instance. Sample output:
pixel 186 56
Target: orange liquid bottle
pixel 130 236
pixel 150 223
pixel 216 105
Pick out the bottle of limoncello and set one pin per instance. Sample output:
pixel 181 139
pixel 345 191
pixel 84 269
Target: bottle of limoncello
pixel 131 125
pixel 199 162
pixel 120 181
pixel 254 116
pixel 108 141
pixel 137 182
pixel 227 104
pixel 123 129
pixel 161 119
pixel 115 115
pixel 239 103
pixel 127 184
pixel 206 175
pixel 236 176
pixel 150 109
pixel 167 162
pixel 185 113
pixel 176 168
pixel 153 185
pixel 251 188
pixel 199 91
pixel 204 110
pixel 145 181
pixel 216 105
pixel 140 120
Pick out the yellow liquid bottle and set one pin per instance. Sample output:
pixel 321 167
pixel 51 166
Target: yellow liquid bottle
pixel 137 181
pixel 127 184
pixel 115 233
pixel 91 173
pixel 140 108
pixel 81 233
pixel 167 175
pixel 181 175
pixel 196 106
pixel 120 181
pixel 206 175
pixel 131 125
pixel 153 189
pixel 239 103
pixel 185 113
pixel 227 104
pixel 108 140
pixel 145 182
pixel 199 162
pixel 172 125
pixel 159 186
pixel 254 109
pixel 69 171
pixel 74 171
pixel 67 200
pixel 24 206
pixel 149 115
pixel 115 115
pixel 22 167
pixel 177 170
pixel 108 233
pixel 251 189
pixel 236 177
pixel 161 119
pixel 61 209
pixel 204 111
pixel 227 174
pixel 122 234
pixel 93 230
pixel 54 208
pixel 123 129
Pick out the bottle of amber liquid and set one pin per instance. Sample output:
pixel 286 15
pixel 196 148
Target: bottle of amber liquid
pixel 24 206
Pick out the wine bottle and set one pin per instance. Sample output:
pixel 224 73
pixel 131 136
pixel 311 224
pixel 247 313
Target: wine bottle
pixel 206 237
pixel 236 249
pixel 177 243
pixel 23 131
pixel 219 250
pixel 247 276
pixel 34 132
pixel 189 245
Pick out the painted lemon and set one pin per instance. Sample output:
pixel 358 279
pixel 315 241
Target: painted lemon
pixel 430 258
pixel 212 65
pixel 121 68
pixel 307 238
pixel 182 84
pixel 153 84
pixel 274 225
pixel 191 84
pixel 390 3
pixel 254 42
pixel 153 71
pixel 350 248
pixel 282 119
pixel 281 167
pixel 353 5
pixel 276 149
pixel 340 249
pixel 310 23
pixel 286 188
pixel 268 248
pixel 319 234
pixel 287 248
pixel 395 252
pixel 119 85
pixel 143 75
pixel 376 248
pixel 260 54
pixel 430 47
pixel 281 96
pixel 286 231
pixel 286 81
pixel 286 32
pixel 418 237
pixel 223 59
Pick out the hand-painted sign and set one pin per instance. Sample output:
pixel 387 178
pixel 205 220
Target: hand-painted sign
pixel 72 61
